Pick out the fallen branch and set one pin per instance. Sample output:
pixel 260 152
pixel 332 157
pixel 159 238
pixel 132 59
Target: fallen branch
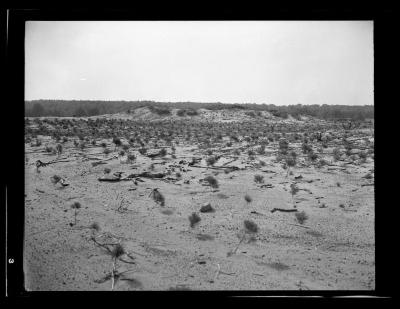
pixel 258 213
pixel 268 185
pixel 224 273
pixel 226 163
pixel 40 163
pixel 283 210
pixel 303 226
pixel 98 163
pixel 112 179
pixel 235 168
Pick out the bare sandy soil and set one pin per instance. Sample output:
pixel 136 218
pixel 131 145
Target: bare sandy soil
pixel 333 250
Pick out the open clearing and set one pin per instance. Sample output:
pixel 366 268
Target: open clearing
pixel 332 249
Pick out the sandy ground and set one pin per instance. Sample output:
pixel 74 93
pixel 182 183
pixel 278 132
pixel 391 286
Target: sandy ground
pixel 334 250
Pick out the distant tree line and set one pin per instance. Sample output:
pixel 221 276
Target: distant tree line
pixel 82 108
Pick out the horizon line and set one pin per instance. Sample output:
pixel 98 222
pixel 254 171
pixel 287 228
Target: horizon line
pixel 250 103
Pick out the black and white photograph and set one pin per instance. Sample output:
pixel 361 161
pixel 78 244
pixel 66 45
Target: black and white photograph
pixel 202 155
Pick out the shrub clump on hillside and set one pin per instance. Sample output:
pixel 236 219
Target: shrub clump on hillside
pixel 160 111
pixel 187 112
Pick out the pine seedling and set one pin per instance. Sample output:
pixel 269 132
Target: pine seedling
pixel 258 178
pixel 247 198
pixel 250 229
pixel 290 161
pixel 194 218
pixel 301 217
pixel 293 191
pixel 55 179
pixel 75 206
pixel 95 227
pixel 116 252
pixel 59 149
pixel 158 197
pixel 212 181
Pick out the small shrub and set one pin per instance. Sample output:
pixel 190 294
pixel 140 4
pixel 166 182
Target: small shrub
pixel 247 198
pixel 75 206
pixel 59 149
pixel 283 145
pixel 301 217
pixel 363 156
pixel 250 227
pixel 55 179
pixel 294 189
pixel 117 141
pixel 207 208
pixel 306 148
pixel 194 219
pixel 336 154
pixel 212 181
pixel 142 151
pixel 322 162
pixel 158 197
pixel 312 156
pixel 117 251
pixel 163 152
pixel 211 161
pixel 261 150
pixel 95 226
pixel 131 157
pixel 106 151
pixel 259 178
pixel 290 161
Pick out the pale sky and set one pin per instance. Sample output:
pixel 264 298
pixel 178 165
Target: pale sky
pixel 272 62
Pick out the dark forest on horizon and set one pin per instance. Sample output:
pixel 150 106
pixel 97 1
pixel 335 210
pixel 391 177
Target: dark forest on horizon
pixel 83 108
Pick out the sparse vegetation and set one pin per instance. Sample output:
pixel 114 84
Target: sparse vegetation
pixel 180 155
